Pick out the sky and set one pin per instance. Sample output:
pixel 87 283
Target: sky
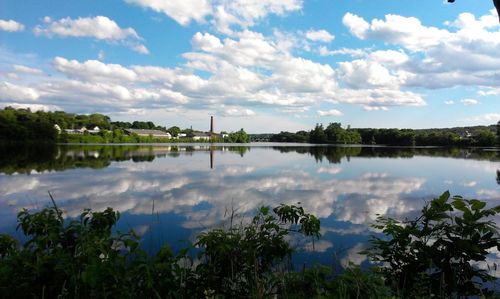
pixel 265 66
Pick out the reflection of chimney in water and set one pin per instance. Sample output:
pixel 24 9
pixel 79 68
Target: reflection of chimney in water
pixel 211 157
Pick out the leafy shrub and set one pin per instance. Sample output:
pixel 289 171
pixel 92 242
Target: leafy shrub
pixel 239 262
pixel 434 254
pixel 84 259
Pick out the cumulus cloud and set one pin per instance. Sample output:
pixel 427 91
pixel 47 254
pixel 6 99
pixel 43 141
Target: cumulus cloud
pixel 99 27
pixel 244 71
pixel 320 36
pixel 331 112
pixel 182 11
pixel 436 55
pixel 11 26
pixel 13 92
pixel 380 69
pixel 450 102
pixel 93 70
pixel 222 14
pixel 236 111
pixel 468 102
pixel 396 29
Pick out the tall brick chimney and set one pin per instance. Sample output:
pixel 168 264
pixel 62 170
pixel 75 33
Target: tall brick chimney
pixel 211 126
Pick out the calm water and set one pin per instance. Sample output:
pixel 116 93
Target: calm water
pixel 170 193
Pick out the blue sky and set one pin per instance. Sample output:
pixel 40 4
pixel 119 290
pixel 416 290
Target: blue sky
pixel 266 66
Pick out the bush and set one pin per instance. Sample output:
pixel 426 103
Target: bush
pixel 435 254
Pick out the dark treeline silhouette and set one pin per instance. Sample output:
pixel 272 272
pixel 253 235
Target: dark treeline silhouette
pixel 25 158
pixel 335 134
pixel 334 154
pixel 23 125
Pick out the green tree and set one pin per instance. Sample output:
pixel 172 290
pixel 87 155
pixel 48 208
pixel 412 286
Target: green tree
pixel 317 135
pixel 238 137
pixel 174 131
pixel 498 133
pixel 485 138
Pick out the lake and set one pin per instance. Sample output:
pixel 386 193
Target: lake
pixel 169 193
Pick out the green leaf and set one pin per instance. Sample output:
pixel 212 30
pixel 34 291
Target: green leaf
pixel 477 204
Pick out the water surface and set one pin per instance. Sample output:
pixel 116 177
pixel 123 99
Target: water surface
pixel 170 193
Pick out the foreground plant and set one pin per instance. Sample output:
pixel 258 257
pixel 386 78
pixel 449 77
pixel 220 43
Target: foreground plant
pixel 437 253
pixel 431 256
pixel 83 258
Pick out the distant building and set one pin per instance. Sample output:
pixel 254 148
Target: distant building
pixel 79 131
pixel 57 128
pixel 95 130
pixel 153 133
pixel 201 136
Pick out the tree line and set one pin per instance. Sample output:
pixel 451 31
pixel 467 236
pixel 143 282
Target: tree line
pixel 24 125
pixel 335 134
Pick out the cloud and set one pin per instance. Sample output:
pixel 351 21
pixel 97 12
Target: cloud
pixel 396 29
pixel 487 118
pixel 320 36
pixel 330 170
pixel 450 102
pixel 380 69
pixel 236 111
pixel 99 27
pixel 27 70
pixel 489 91
pixel 11 26
pixel 468 102
pixel 222 14
pixel 93 70
pixel 332 112
pixel 357 25
pixel 436 55
pixel 469 184
pixel 323 51
pixel 13 92
pixel 182 11
pixel 246 70
pixel 354 256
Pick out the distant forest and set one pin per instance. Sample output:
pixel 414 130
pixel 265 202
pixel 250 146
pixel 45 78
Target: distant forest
pixel 21 125
pixel 335 134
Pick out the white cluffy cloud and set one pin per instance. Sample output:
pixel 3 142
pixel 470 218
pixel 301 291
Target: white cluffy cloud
pixel 435 56
pixel 223 14
pixel 332 112
pixel 182 11
pixel 237 111
pixel 241 74
pixel 11 26
pixel 320 35
pixel 99 27
pixel 13 92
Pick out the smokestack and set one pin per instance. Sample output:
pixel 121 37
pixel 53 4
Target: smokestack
pixel 211 125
